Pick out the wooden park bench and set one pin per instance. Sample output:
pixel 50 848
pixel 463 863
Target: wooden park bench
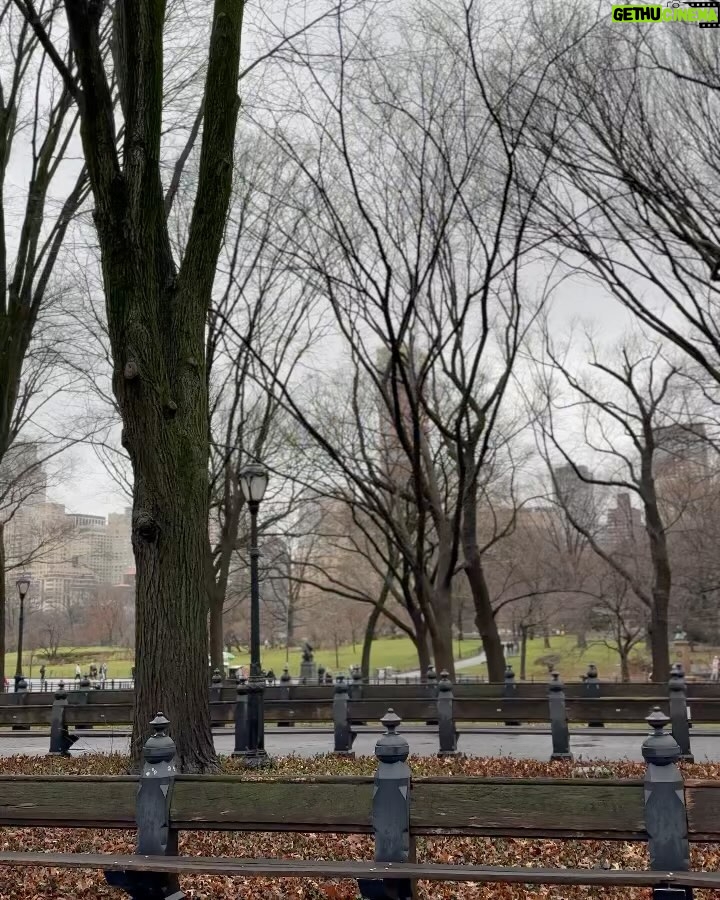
pixel 661 810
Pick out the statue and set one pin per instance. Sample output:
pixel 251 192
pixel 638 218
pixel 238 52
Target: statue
pixel 308 669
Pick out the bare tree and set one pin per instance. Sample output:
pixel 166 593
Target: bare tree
pixel 632 198
pixel 156 312
pixel 411 242
pixel 622 409
pixel 41 189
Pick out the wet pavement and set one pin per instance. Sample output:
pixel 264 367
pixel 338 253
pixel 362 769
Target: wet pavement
pixel 603 744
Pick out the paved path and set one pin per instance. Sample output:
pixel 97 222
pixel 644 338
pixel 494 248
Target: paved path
pixel 459 664
pixel 521 746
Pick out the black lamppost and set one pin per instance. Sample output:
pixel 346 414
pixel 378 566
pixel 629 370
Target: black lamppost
pixel 23 583
pixel 253 480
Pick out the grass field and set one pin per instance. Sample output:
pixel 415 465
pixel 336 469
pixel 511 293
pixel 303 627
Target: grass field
pixel 569 660
pixel 572 662
pixel 398 653
pixel 567 657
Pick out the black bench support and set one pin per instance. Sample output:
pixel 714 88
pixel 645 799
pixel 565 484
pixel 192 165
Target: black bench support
pixel 391 813
pixel 152 813
pixel 665 813
pixel 558 719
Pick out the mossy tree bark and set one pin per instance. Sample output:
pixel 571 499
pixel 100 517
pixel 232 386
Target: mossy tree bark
pixel 156 311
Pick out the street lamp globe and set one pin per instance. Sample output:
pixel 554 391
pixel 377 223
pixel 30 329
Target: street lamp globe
pixel 23 583
pixel 253 480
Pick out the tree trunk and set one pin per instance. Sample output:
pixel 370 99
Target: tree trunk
pixel 523 652
pixel 484 618
pixel 424 658
pixel 546 640
pixel 624 664
pixel 659 641
pixel 217 644
pixel 372 621
pixel 169 537
pixel 662 578
pixel 441 631
pixel 3 600
pixel 156 316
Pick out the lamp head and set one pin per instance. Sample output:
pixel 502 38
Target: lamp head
pixel 253 480
pixel 23 584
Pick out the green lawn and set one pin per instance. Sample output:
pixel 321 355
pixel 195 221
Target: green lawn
pixel 571 662
pixel 119 661
pixel 398 653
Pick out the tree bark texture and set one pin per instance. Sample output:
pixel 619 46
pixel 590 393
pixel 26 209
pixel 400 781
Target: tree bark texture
pixel 484 618
pixel 3 601
pixel 662 576
pixel 156 315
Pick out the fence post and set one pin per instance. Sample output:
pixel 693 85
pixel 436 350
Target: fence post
pixel 356 689
pixel 391 813
pixel 665 813
pixel 155 837
pixel 432 689
pixel 216 686
pixel 242 736
pixel 678 712
pixel 285 682
pixel 510 688
pixel 60 739
pixel 344 735
pixel 592 690
pixel 82 698
pixel 558 719
pixel 21 698
pixel 446 724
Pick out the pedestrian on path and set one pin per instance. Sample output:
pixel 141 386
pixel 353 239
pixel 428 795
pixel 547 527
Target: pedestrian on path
pixel 715 669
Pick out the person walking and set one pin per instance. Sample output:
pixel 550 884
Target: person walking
pixel 77 672
pixel 715 669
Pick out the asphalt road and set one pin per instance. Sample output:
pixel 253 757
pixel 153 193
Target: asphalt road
pixel 583 745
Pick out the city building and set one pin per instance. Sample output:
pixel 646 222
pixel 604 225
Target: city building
pixel 576 494
pixel 624 522
pixel 122 559
pixel 682 451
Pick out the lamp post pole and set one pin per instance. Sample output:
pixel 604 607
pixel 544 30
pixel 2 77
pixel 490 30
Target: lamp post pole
pixel 253 480
pixel 23 583
pixel 255 668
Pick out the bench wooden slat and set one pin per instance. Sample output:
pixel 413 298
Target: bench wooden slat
pixel 543 808
pixel 528 809
pixel 297 868
pixel 68 802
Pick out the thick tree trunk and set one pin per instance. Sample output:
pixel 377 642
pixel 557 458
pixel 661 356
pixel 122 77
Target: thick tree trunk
pixel 659 640
pixel 523 652
pixel 662 579
pixel 484 618
pixel 424 657
pixel 624 664
pixel 368 641
pixel 440 629
pixel 217 644
pixel 169 538
pixel 3 600
pixel 442 646
pixel 156 314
